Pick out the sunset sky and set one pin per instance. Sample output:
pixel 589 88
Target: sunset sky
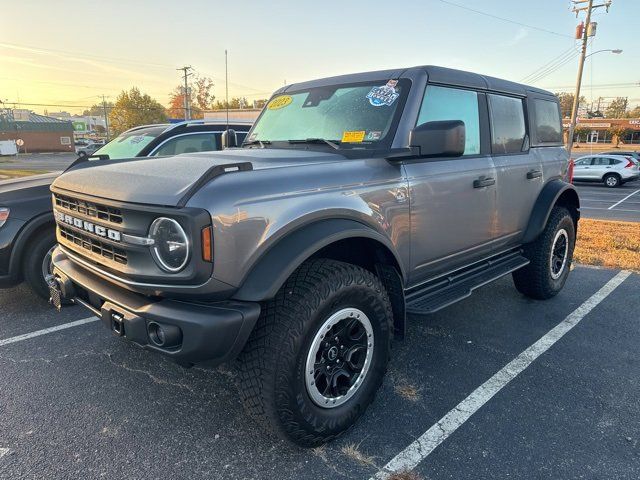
pixel 67 53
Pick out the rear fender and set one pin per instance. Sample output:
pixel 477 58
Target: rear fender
pixel 556 192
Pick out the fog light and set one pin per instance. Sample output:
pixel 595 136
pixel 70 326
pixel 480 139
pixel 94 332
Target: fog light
pixel 164 336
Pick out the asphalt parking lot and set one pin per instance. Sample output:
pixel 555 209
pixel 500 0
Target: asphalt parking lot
pixel 48 162
pixel 598 201
pixel 461 399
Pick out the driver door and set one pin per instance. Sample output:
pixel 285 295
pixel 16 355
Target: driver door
pixel 453 213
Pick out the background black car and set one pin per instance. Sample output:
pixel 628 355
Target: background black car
pixel 27 228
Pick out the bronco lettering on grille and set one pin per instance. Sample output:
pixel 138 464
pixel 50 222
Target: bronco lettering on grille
pixel 88 226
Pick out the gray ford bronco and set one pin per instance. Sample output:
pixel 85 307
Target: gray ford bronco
pixel 354 201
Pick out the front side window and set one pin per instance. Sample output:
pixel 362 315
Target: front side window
pixel 351 115
pixel 443 103
pixel 508 129
pixel 583 162
pixel 548 124
pixel 197 142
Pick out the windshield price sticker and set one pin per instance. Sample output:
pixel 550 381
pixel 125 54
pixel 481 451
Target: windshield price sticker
pixel 279 102
pixel 385 95
pixel 356 136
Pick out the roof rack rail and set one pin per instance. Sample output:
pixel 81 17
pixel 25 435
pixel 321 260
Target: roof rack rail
pixel 205 121
pixel 133 129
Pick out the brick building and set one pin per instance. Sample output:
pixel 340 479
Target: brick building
pixel 39 133
pixel 597 131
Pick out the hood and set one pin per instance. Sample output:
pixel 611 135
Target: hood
pixel 15 184
pixel 165 180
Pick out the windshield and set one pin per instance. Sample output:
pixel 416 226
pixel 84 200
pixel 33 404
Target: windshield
pixel 355 115
pixel 128 144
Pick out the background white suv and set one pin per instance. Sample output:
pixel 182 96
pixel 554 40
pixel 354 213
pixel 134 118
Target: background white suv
pixel 612 170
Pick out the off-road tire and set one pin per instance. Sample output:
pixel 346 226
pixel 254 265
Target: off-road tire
pixel 272 364
pixel 34 255
pixel 611 176
pixel 536 280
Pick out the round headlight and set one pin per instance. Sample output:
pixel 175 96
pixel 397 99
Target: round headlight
pixel 170 244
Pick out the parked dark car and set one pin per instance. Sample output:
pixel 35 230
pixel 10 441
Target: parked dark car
pixel 27 227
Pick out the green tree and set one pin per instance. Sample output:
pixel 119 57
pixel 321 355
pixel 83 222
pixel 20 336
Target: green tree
pixel 618 132
pixel 634 112
pixel 234 103
pixel 97 110
pixel 566 103
pixel 582 131
pixel 617 108
pixel 133 108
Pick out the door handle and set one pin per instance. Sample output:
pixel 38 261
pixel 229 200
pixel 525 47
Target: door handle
pixel 531 174
pixel 483 182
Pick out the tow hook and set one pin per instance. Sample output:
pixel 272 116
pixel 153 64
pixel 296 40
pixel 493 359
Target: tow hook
pixel 117 324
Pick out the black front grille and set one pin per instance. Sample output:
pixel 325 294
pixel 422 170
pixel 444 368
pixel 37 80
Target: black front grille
pixel 102 212
pixel 93 245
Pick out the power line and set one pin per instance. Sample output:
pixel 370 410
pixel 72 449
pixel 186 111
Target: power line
pixel 551 62
pixel 496 17
pixel 551 67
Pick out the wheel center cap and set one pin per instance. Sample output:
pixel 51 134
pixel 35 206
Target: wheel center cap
pixel 332 354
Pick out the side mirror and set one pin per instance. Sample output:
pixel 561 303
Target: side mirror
pixel 439 139
pixel 229 138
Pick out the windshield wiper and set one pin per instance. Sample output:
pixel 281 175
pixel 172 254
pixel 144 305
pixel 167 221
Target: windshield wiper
pixel 317 140
pixel 262 143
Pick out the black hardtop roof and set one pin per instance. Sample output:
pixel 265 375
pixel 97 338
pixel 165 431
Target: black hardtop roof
pixel 443 75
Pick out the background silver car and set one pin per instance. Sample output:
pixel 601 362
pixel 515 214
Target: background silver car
pixel 612 170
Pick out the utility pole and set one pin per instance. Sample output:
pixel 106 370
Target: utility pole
pixel 186 75
pixel 106 117
pixel 586 32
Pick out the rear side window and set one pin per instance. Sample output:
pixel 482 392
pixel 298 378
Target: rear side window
pixel 602 161
pixel 442 103
pixel 508 129
pixel 548 126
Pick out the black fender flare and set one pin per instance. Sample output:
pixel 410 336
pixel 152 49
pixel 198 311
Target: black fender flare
pixel 553 193
pixel 23 238
pixel 275 265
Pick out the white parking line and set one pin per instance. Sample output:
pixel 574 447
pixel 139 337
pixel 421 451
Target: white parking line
pixel 625 198
pixel 602 208
pixel 46 331
pixel 417 451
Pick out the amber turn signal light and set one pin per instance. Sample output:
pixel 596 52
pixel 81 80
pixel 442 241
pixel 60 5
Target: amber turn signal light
pixel 207 250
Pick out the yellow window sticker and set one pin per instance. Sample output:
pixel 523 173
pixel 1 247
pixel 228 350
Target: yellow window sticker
pixel 356 136
pixel 279 102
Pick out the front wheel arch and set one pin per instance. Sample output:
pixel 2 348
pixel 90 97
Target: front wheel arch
pixel 276 265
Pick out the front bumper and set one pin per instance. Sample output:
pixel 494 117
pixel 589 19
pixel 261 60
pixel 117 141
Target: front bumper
pixel 195 332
